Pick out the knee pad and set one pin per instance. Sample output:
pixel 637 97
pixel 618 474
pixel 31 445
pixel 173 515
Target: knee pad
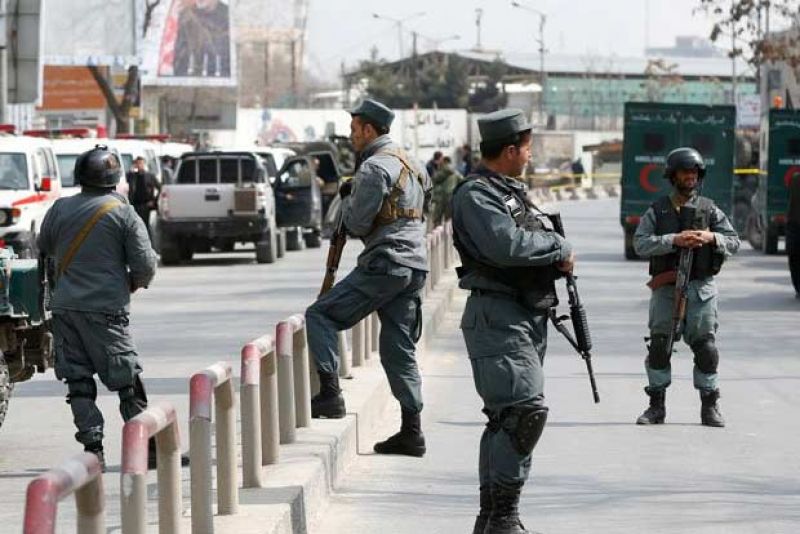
pixel 524 425
pixel 706 355
pixel 657 355
pixel 85 388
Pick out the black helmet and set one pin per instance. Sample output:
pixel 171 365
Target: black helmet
pixel 684 158
pixel 98 167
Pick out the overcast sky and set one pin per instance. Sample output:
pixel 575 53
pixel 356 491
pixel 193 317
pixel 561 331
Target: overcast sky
pixel 345 30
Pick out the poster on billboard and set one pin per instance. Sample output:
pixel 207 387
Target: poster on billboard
pixel 188 43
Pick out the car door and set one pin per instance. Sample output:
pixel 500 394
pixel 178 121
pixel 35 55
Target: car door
pixel 297 194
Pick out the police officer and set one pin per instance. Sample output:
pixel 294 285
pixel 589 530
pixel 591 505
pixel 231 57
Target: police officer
pixel 102 254
pixel 509 264
pixel 660 236
pixel 383 206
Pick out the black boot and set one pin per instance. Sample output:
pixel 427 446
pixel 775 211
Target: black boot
pixel 152 462
pixel 329 403
pixel 485 512
pixel 656 412
pixel 409 441
pixel 96 448
pixel 710 414
pixel 505 511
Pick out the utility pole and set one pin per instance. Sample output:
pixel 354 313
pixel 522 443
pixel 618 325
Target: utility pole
pixel 542 50
pixel 399 24
pixel 733 57
pixel 478 17
pixel 3 62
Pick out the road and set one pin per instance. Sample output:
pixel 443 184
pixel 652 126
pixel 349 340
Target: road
pixel 191 317
pixel 594 470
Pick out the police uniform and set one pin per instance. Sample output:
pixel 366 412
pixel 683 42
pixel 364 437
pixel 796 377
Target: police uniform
pixel 508 265
pixel 91 299
pixel 384 209
pixel 654 240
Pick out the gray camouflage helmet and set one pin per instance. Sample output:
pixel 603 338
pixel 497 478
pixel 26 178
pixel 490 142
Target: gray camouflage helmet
pixel 98 167
pixel 684 158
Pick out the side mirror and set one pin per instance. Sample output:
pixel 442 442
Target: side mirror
pixel 46 184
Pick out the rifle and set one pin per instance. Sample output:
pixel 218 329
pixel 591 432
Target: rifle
pixel 682 278
pixel 338 241
pixel 582 340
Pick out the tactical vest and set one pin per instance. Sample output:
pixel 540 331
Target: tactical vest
pixel 390 211
pixel 534 284
pixel 706 262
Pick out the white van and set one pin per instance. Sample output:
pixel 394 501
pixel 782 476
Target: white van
pixel 67 151
pixel 29 185
pixel 130 149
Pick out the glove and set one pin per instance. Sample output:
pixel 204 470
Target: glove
pixel 346 189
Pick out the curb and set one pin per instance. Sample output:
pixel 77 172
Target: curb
pixel 296 490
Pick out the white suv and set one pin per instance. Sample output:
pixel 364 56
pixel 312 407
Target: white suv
pixel 29 184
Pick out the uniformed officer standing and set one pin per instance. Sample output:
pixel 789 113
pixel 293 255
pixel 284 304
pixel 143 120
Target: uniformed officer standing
pixel 659 237
pixel 383 206
pixel 509 264
pixel 102 254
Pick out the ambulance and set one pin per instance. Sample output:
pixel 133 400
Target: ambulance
pixel 67 151
pixel 29 185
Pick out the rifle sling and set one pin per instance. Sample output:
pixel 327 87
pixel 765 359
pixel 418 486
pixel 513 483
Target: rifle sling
pixel 73 248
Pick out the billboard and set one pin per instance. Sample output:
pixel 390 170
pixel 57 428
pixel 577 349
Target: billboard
pixel 188 43
pixel 90 32
pixel 70 88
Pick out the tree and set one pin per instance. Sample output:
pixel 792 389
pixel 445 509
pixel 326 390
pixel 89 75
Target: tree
pixel 746 23
pixel 488 96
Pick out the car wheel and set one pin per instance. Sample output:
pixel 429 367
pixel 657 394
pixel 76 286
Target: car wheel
pixel 5 389
pixel 630 252
pixel 294 239
pixel 267 250
pixel 313 240
pixel 281 235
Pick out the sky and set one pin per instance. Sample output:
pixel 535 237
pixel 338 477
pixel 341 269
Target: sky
pixel 345 30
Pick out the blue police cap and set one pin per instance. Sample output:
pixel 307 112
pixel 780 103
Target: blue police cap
pixel 375 111
pixel 503 124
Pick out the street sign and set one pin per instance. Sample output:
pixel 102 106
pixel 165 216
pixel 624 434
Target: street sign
pixel 748 111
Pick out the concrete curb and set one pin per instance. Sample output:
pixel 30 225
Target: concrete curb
pixel 546 195
pixel 296 489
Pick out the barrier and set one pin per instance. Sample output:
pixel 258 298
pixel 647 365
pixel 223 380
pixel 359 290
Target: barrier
pixel 216 382
pixel 259 409
pixel 359 342
pixel 292 376
pixel 302 366
pixel 81 475
pixel 344 355
pixel 158 421
pixel 375 333
pixel 368 336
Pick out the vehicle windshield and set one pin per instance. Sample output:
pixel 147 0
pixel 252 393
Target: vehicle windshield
pixel 66 166
pixel 13 171
pixel 127 160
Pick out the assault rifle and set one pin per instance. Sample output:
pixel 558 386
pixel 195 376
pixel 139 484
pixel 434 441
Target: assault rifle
pixel 338 241
pixel 582 340
pixel 681 279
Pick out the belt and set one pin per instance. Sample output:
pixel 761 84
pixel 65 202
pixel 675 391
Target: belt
pixel 479 292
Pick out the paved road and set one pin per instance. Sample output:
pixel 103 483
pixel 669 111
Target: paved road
pixel 191 317
pixel 595 471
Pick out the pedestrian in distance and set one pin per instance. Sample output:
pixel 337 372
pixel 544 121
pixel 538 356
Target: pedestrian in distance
pixel 510 261
pixel 444 183
pixel 434 164
pixel 101 255
pixel 143 191
pixel 382 206
pixel 661 235
pixel 793 232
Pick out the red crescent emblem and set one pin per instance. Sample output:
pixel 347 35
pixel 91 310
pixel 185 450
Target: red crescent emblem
pixel 791 171
pixel 644 181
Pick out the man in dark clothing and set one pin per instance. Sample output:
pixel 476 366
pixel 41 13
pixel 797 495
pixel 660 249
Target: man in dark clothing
pixel 793 232
pixel 203 44
pixel 143 191
pixel 433 165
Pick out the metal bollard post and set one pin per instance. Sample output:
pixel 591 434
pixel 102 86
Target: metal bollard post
pixel 358 344
pixel 302 385
pixel 344 356
pixel 215 381
pixel 252 395
pixel 284 345
pixel 270 422
pixel 367 336
pixel 157 421
pixel 375 332
pixel 81 475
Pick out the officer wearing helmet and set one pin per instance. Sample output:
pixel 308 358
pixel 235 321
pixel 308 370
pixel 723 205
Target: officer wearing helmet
pixel 101 254
pixel 659 237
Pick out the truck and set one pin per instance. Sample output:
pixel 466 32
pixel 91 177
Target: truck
pixel 651 131
pixel 779 161
pixel 26 343
pixel 218 199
